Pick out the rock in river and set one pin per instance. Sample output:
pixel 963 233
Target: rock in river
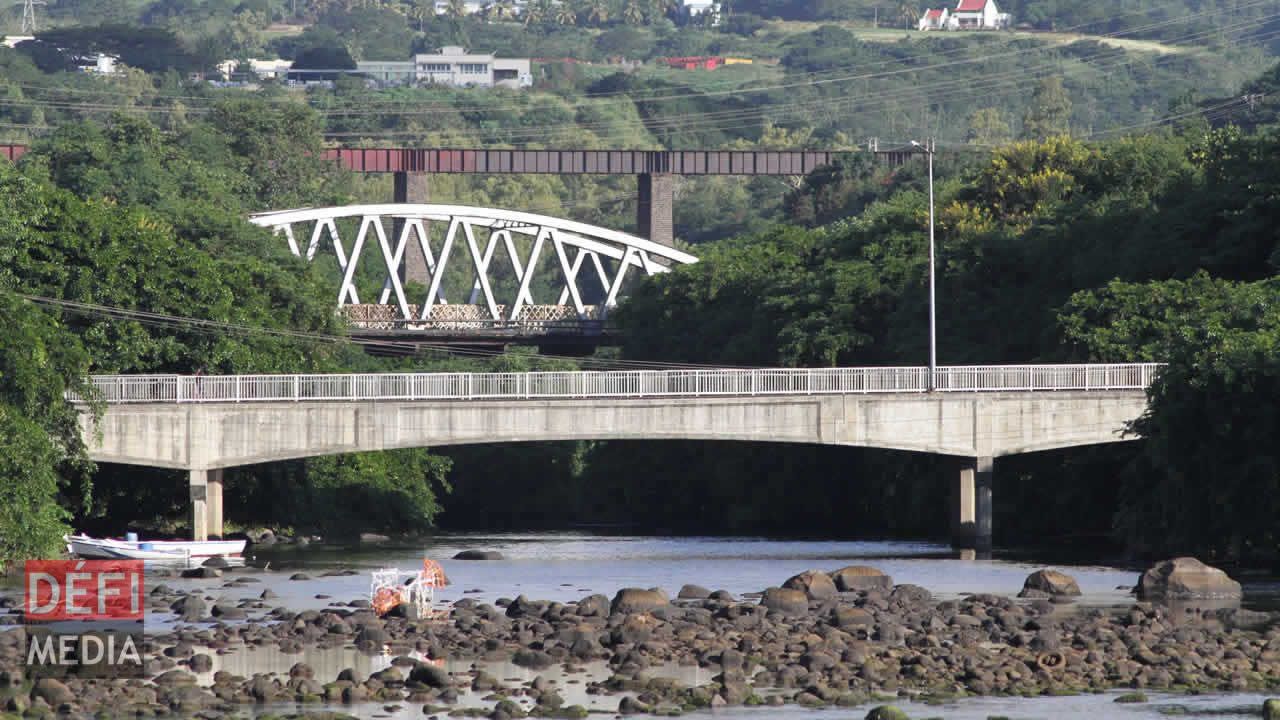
pixel 1051 582
pixel 636 600
pixel 813 583
pixel 861 577
pixel 1186 578
pixel 786 601
pixel 478 555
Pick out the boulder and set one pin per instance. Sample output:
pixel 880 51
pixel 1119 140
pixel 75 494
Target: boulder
pixel 191 608
pixel 52 691
pixel 886 712
pixel 813 583
pixel 1186 578
pixel 861 577
pixel 693 592
pixel 1050 582
pixel 786 601
pixel 478 555
pixel 593 606
pixel 430 675
pixel 636 600
pixel 217 561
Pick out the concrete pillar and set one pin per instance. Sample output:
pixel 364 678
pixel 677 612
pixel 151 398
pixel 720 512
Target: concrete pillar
pixel 654 218
pixel 206 503
pixel 971 505
pixel 412 187
pixel 213 499
pixel 199 487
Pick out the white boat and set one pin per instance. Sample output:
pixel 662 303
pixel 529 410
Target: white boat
pixel 173 550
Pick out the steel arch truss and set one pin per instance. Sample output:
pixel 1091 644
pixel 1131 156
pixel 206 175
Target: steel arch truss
pixel 576 250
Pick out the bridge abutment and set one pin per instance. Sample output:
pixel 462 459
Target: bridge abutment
pixel 971 504
pixel 206 503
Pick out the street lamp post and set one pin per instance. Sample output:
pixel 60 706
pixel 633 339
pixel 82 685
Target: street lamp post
pixel 933 314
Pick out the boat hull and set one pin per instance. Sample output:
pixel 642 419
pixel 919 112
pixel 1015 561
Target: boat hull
pixel 87 547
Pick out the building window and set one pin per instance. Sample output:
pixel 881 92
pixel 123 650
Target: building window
pixel 474 68
pixel 436 67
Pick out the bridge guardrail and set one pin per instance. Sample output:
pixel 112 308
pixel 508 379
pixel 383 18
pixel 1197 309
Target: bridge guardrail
pixel 115 389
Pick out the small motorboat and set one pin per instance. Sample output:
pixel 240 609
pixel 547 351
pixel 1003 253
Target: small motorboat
pixel 84 546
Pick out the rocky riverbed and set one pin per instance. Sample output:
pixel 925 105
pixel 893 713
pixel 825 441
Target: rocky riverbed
pixel 818 639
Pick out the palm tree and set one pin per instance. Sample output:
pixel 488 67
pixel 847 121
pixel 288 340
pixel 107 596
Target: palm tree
pixel 662 8
pixel 565 14
pixel 597 12
pixel 908 13
pixel 456 9
pixel 631 12
pixel 536 11
pixel 422 11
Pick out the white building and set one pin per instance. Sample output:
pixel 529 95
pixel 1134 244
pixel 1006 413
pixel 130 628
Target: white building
pixel 968 15
pixel 977 15
pixel 455 66
pixel 694 9
pixel 451 66
pixel 934 19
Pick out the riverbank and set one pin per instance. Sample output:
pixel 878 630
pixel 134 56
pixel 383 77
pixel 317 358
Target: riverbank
pixel 815 646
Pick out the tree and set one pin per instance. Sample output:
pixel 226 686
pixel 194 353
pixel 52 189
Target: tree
pixel 597 12
pixel 987 126
pixel 321 63
pixel 632 12
pixel 565 14
pixel 1050 111
pixel 908 13
pixel 456 9
pixel 422 11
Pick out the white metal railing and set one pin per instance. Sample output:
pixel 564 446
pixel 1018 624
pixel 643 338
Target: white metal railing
pixel 615 383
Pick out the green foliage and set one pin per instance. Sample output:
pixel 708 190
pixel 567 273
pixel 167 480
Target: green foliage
pixel 1209 480
pixel 42 455
pixel 31 521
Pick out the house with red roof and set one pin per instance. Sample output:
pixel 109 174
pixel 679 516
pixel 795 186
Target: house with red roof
pixel 934 19
pixel 967 15
pixel 977 15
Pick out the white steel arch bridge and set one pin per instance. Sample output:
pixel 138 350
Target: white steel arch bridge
pixel 573 258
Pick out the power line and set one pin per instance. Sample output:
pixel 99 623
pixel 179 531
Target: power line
pixel 218 328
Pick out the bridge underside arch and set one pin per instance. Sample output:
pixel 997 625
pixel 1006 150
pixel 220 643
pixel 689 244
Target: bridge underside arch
pixel 214 436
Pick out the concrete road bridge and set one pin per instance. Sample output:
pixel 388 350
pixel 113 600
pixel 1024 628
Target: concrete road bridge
pixel 207 424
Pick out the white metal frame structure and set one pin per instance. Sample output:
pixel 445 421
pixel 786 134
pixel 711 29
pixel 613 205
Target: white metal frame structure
pixel 114 389
pixel 609 253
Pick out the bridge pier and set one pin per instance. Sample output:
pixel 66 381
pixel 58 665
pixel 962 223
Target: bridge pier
pixel 412 187
pixel 654 219
pixel 971 504
pixel 206 503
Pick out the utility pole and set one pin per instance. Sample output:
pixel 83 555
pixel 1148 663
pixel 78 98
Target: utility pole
pixel 929 148
pixel 29 16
